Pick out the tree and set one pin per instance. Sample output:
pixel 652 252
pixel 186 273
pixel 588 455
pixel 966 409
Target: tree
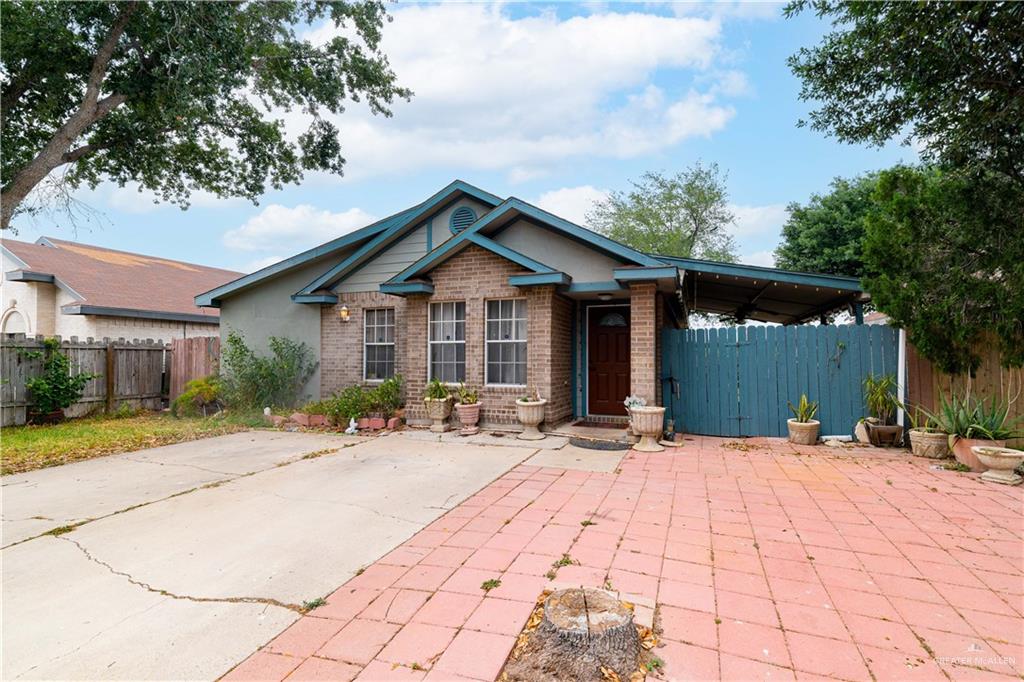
pixel 827 234
pixel 947 76
pixel 685 215
pixel 944 259
pixel 180 96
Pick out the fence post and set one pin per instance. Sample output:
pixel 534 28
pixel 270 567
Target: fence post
pixel 110 376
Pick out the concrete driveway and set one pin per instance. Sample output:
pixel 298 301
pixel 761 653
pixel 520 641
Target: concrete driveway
pixel 188 557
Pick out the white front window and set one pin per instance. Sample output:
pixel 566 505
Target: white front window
pixel 447 341
pixel 506 342
pixel 378 344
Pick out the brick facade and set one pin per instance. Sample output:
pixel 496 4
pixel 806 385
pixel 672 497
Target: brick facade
pixel 341 343
pixel 643 341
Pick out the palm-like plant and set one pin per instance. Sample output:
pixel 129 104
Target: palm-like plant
pixel 804 410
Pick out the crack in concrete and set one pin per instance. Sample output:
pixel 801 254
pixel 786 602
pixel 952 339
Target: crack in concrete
pixel 189 466
pixel 184 597
pixel 376 512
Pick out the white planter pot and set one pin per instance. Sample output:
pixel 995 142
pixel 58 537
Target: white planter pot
pixel 438 410
pixel 649 423
pixel 803 433
pixel 1001 463
pixel 530 414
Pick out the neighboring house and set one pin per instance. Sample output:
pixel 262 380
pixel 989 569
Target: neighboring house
pixel 61 288
pixel 505 296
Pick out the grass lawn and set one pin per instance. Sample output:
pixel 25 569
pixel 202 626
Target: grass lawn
pixel 24 448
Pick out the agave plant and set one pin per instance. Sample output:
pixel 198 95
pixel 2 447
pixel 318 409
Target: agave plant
pixel 805 410
pixel 990 421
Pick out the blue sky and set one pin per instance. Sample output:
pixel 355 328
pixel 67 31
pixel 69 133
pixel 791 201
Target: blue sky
pixel 553 103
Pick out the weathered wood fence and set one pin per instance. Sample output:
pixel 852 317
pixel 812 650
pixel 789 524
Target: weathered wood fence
pixel 926 385
pixel 130 372
pixel 193 358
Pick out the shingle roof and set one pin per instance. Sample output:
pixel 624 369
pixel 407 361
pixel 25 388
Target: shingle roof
pixel 106 278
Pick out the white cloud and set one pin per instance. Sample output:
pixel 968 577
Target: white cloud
pixel 571 203
pixel 495 92
pixel 133 198
pixel 758 221
pixel 260 263
pixel 765 258
pixel 297 228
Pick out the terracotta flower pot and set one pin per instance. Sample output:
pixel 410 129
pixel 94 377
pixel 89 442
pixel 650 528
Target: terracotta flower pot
pixel 469 416
pixel 929 443
pixel 531 414
pixel 964 455
pixel 649 423
pixel 1001 463
pixel 438 410
pixel 803 433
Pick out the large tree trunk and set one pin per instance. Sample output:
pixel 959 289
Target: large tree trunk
pixel 57 151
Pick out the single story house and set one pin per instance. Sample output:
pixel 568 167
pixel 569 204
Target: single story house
pixel 62 288
pixel 507 297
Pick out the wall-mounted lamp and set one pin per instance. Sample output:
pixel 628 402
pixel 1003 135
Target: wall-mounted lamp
pixel 604 297
pixel 343 313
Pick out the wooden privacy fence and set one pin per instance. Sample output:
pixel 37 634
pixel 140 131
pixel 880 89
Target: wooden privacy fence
pixel 926 385
pixel 737 381
pixel 193 358
pixel 129 372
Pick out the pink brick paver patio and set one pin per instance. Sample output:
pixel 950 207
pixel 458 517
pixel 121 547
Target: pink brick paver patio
pixel 779 562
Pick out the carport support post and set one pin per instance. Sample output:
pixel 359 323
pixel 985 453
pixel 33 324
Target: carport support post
pixel 858 312
pixel 642 367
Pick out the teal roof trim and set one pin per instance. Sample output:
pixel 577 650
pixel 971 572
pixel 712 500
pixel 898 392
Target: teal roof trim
pixel 211 298
pixel 404 288
pixel 473 234
pixel 315 298
pixel 769 274
pixel 383 239
pixel 510 254
pixel 556 278
pixel 646 274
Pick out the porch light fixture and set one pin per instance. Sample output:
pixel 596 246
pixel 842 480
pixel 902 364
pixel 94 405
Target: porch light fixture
pixel 604 297
pixel 343 313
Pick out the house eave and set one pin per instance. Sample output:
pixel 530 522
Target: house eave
pixel 107 311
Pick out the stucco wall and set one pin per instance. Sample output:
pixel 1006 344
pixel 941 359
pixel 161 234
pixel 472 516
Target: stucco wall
pixel 582 263
pixel 267 310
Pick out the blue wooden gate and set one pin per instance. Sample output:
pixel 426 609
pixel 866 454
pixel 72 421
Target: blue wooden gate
pixel 736 381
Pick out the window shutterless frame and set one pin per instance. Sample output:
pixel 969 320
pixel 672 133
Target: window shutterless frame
pixel 446 342
pixel 378 344
pixel 505 342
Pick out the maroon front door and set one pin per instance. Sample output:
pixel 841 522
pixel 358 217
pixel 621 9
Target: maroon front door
pixel 607 359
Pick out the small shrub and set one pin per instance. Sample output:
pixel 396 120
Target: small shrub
pixel 322 407
pixel 436 390
pixel 349 404
pixel 255 382
pixel 387 397
pixel 200 397
pixel 56 388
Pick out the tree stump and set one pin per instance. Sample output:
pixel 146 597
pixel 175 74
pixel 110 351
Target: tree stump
pixel 583 631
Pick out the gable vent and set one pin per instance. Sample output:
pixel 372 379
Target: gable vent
pixel 461 218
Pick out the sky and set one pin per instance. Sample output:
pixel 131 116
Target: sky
pixel 554 103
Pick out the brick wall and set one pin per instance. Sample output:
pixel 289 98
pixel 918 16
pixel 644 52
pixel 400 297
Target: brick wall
pixel 642 340
pixel 341 343
pixel 475 276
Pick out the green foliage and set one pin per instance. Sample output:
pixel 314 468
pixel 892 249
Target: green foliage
pixel 685 215
pixel 255 382
pixel 199 396
pixel 943 75
pixel 350 403
pixel 436 390
pixel 804 410
pixel 880 396
pixel 320 407
pixel 387 396
pixel 193 94
pixel 990 421
pixel 944 259
pixel 56 388
pixel 468 395
pixel 827 234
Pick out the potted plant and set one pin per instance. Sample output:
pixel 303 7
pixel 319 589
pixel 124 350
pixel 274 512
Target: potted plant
pixel 54 389
pixel 438 402
pixel 530 410
pixel 974 423
pixel 468 408
pixel 926 438
pixel 630 402
pixel 803 427
pixel 1001 462
pixel 882 404
pixel 646 421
